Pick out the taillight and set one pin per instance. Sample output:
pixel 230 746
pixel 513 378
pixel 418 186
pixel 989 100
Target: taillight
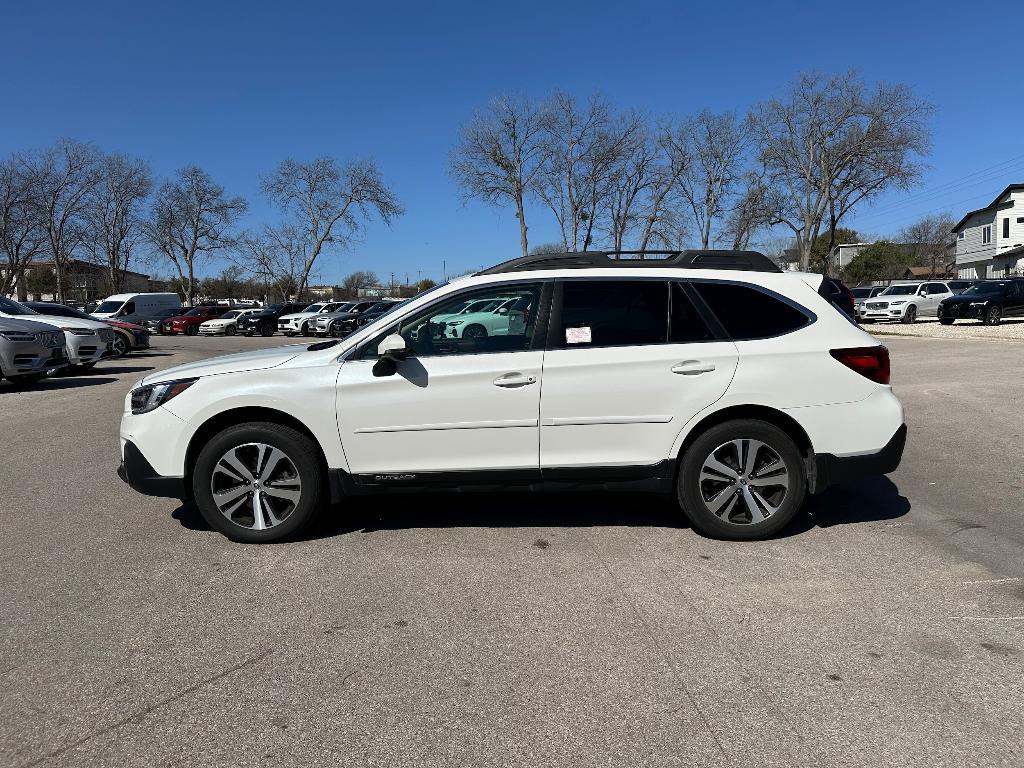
pixel 870 362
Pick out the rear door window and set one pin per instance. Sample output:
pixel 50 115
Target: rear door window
pixel 613 313
pixel 748 313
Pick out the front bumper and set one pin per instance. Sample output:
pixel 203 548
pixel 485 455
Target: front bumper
pixel 36 359
pixel 887 313
pixel 140 475
pixel 86 349
pixel 828 469
pixel 962 311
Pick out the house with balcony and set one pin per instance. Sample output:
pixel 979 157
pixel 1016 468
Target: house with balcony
pixel 990 240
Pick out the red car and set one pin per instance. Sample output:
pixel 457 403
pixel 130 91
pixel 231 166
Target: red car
pixel 189 322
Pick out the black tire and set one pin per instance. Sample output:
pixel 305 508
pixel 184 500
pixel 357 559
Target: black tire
pixel 993 315
pixel 946 320
pixel 266 330
pixel 191 330
pixel 120 346
pixel 304 331
pixel 248 334
pixel 475 331
pixel 230 330
pixel 691 493
pixel 300 451
pixel 910 316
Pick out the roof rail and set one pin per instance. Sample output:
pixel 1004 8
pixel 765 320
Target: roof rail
pixel 746 261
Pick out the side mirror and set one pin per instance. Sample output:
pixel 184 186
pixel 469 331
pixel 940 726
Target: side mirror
pixel 503 311
pixel 391 351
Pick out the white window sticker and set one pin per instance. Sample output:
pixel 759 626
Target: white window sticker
pixel 577 335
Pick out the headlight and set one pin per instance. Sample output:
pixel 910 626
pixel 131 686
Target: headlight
pixel 453 323
pixel 978 303
pixel 151 396
pixel 896 303
pixel 17 336
pixel 79 331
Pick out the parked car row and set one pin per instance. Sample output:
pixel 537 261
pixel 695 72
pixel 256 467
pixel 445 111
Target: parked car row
pixel 949 300
pixel 36 342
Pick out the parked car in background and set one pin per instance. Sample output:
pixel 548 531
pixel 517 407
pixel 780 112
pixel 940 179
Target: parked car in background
pixel 135 307
pixel 988 301
pixel 264 322
pixel 29 350
pixel 342 325
pixel 189 322
pixel 959 286
pixel 226 324
pixel 905 302
pixel 87 341
pixel 127 336
pixel 378 310
pixel 301 323
pixel 322 324
pixel 152 323
pixel 860 295
pixel 717 378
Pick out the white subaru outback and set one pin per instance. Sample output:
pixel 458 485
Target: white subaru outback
pixel 711 375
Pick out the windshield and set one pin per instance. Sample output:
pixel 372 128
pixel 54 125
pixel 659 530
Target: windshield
pixel 984 288
pixel 861 293
pixel 197 311
pixel 109 307
pixel 313 308
pixel 9 307
pixel 229 314
pixel 900 290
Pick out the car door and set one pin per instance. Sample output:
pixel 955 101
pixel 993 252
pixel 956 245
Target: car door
pixel 936 293
pixel 456 406
pixel 629 362
pixel 1013 305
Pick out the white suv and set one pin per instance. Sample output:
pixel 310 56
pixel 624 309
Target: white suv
pixel 710 375
pixel 905 302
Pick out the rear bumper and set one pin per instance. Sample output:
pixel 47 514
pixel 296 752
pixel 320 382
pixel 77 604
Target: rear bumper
pixel 140 475
pixel 829 469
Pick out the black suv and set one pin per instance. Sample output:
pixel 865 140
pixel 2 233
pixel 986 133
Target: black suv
pixel 344 324
pixel 988 300
pixel 264 322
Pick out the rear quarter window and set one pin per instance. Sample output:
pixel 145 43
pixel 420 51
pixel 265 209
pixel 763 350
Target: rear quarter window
pixel 748 313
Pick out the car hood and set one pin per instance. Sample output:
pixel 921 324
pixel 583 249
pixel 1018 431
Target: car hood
pixel 337 315
pixel 975 299
pixel 297 315
pixel 256 360
pixel 185 318
pixel 60 321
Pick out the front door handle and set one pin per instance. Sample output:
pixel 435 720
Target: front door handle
pixel 693 367
pixel 510 380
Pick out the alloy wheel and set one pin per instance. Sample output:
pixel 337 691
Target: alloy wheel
pixel 744 481
pixel 256 486
pixel 119 346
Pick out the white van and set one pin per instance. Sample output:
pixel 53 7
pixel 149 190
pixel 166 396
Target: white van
pixel 135 307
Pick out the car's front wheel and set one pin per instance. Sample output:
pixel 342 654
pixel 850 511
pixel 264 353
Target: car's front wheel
pixel 946 320
pixel 192 330
pixel 266 330
pixel 230 330
pixel 994 315
pixel 743 479
pixel 119 346
pixel 910 316
pixel 259 482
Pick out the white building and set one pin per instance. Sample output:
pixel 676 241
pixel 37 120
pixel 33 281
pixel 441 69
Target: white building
pixel 842 254
pixel 990 240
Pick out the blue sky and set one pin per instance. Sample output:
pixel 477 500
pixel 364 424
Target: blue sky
pixel 237 87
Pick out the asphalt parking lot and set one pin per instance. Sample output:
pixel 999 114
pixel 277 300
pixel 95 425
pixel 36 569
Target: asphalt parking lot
pixel 885 628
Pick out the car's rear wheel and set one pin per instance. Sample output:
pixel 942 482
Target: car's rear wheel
pixel 192 330
pixel 743 479
pixel 259 482
pixel 266 330
pixel 994 316
pixel 910 315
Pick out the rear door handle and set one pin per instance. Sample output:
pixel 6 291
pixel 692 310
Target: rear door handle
pixel 517 379
pixel 692 367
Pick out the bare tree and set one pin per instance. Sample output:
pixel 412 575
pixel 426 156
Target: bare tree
pixel 499 154
pixel 752 213
pixel 661 221
pixel 114 214
pixel 829 144
pixel 630 184
pixel 331 204
pixel 190 219
pixel 22 234
pixel 356 281
pixel 931 242
pixel 275 256
pixel 583 144
pixel 63 177
pixel 717 143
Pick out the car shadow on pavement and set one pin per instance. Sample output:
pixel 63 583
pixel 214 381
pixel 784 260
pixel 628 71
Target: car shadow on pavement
pixel 871 500
pixel 60 382
pixel 105 370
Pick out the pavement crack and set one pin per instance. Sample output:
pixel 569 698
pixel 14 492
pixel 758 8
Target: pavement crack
pixel 147 710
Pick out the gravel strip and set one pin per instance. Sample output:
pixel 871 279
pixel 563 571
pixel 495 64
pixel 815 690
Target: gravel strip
pixel 1009 330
